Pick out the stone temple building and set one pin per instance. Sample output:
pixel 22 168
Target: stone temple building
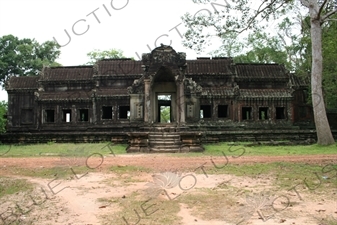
pixel 122 100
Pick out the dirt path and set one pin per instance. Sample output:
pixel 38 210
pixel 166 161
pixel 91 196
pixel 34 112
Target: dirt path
pixel 162 162
pixel 101 194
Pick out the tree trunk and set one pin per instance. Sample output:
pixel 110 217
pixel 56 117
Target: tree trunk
pixel 324 135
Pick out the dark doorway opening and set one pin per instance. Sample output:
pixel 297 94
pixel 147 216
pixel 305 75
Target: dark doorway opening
pixel 222 111
pixel 280 113
pixel 107 112
pixel 246 113
pixel 263 113
pixel 205 111
pixel 50 116
pixel 124 112
pixel 84 115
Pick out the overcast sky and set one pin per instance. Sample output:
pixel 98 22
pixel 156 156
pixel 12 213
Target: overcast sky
pixel 131 25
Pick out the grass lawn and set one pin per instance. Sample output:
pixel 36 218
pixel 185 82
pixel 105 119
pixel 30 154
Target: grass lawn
pixel 60 149
pixel 217 149
pixel 85 149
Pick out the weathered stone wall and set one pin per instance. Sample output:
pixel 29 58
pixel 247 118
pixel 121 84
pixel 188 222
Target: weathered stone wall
pixel 209 133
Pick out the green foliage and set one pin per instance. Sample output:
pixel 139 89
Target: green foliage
pixel 25 57
pixel 3 120
pixel 96 55
pixel 264 50
pixel 165 114
pixel 230 19
pixel 283 48
pixel 329 43
pixel 330 66
pixel 291 45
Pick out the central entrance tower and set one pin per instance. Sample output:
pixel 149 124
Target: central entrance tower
pixel 164 74
pixel 158 103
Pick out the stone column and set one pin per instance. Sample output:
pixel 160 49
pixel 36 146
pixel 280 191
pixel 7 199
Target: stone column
pixel 147 100
pixel 73 116
pixel 272 110
pixel 136 107
pixel 42 119
pixel 94 114
pixel 289 111
pixel 181 102
pixel 196 101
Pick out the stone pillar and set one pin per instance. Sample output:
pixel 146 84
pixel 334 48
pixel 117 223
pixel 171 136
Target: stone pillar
pixel 94 114
pixel 237 111
pixel 73 117
pixel 196 101
pixel 42 119
pixel 58 115
pixel 289 111
pixel 136 107
pixel 181 102
pixel 272 110
pixel 147 101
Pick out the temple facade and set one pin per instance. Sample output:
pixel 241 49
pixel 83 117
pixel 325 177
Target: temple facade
pixel 122 99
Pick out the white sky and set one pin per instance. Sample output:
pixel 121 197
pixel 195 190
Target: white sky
pixel 130 29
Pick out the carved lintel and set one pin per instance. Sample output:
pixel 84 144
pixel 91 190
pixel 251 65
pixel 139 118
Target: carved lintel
pixel 164 55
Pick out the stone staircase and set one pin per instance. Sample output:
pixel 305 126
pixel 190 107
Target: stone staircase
pixel 164 139
pixel 164 142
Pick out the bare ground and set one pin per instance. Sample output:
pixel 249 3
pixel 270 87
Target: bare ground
pixel 105 196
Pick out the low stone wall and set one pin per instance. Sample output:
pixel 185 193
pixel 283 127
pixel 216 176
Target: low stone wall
pixel 63 137
pixel 208 135
pixel 259 135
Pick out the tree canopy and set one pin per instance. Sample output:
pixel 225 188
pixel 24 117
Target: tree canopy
pixel 96 55
pixel 25 57
pixel 240 17
pixel 330 65
pixel 295 54
pixel 3 111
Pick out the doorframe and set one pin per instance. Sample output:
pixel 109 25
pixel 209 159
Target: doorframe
pixel 172 106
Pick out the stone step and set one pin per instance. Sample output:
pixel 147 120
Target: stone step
pixel 140 142
pixel 164 135
pixel 164 144
pixel 165 139
pixel 162 147
pixel 161 142
pixel 157 150
pixel 168 143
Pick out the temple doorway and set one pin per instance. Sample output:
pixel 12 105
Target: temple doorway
pixel 164 108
